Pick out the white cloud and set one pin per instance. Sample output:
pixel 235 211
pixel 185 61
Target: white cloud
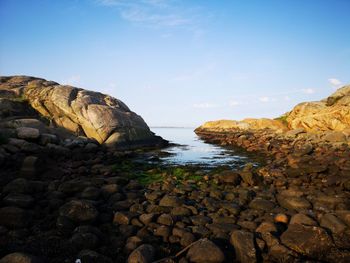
pixel 265 99
pixel 205 105
pixel 308 91
pixel 72 80
pixel 234 103
pixel 335 82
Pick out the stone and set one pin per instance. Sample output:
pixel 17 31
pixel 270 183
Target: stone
pixel 262 204
pixel 170 201
pixel 27 133
pixel 19 200
pixel 187 239
pixel 18 257
pixel 310 241
pixel 332 223
pixel 30 166
pixel 79 211
pixel 90 256
pixel 143 254
pixel 83 112
pixel 229 177
pixel 344 215
pixel 165 219
pixel 205 251
pixel 84 241
pixel 302 220
pixel 123 218
pixel 15 217
pixel 293 203
pixel 243 243
pixel 146 218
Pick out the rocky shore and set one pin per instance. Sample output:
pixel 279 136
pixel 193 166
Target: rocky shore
pixel 67 198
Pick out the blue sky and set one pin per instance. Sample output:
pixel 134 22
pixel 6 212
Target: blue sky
pixel 183 62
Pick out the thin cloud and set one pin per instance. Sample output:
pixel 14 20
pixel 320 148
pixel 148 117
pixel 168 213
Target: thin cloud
pixel 157 14
pixel 308 91
pixel 265 99
pixel 205 105
pixel 335 82
pixel 234 103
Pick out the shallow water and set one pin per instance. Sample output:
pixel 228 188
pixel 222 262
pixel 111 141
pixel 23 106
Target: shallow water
pixel 192 150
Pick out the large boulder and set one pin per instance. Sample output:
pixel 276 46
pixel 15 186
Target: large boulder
pixel 332 113
pixel 83 112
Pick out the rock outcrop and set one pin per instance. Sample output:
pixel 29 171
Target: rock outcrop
pixel 332 113
pixel 330 116
pixel 92 114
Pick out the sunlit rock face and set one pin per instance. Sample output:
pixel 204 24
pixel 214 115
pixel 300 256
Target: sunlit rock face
pixel 83 112
pixel 332 113
pixel 246 124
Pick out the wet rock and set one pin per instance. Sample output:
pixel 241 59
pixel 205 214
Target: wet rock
pixel 200 220
pixel 243 242
pixel 205 251
pixel 249 177
pixel 19 200
pixel 28 133
pixel 79 211
pixel 332 223
pixel 310 241
pixel 11 216
pixel 143 254
pixel 170 201
pixel 18 257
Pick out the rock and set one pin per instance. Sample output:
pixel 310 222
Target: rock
pixel 293 203
pixel 187 239
pixel 143 254
pixel 344 215
pixel 165 219
pixel 330 114
pixel 310 241
pixel 15 217
pixel 98 116
pixel 302 220
pixel 170 201
pixel 146 218
pixel 23 186
pixel 79 211
pixel 28 133
pixel 19 200
pixel 262 204
pixel 30 166
pixel 90 256
pixel 84 241
pixel 333 223
pixel 123 218
pixel 335 136
pixel 18 257
pixel 229 177
pixel 243 242
pixel 205 251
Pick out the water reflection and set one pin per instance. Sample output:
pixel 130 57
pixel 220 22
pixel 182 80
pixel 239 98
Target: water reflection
pixel 192 150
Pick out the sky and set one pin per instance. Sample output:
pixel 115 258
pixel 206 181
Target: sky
pixel 183 62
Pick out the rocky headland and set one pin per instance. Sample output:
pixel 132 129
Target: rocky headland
pixel 71 190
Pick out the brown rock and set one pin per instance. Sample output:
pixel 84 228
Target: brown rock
pixel 205 251
pixel 243 242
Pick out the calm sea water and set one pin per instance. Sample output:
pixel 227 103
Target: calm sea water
pixel 192 150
